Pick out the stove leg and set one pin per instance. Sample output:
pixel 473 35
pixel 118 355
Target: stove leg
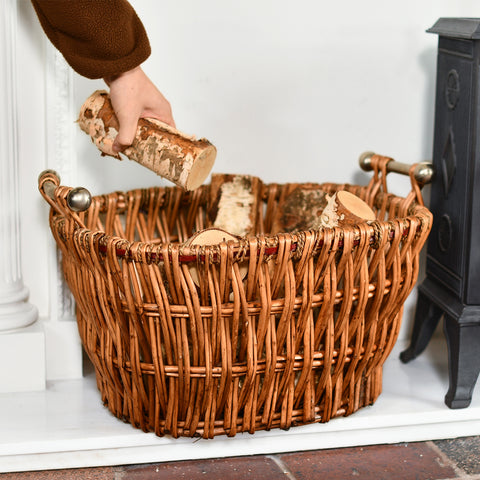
pixel 463 360
pixel 427 316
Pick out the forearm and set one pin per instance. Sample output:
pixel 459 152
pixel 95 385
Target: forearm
pixel 106 39
pixel 98 38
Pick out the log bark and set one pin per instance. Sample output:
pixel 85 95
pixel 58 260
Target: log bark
pixel 300 208
pixel 173 155
pixel 345 208
pixel 211 236
pixel 233 203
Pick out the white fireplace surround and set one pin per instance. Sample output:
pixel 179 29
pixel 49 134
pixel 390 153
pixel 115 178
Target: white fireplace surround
pixel 49 343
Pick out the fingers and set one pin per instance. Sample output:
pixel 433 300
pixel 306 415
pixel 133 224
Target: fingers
pixel 126 133
pixel 165 117
pixel 134 96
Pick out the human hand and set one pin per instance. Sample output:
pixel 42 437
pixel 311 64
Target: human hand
pixel 134 96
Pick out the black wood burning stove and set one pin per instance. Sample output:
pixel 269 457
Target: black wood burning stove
pixel 452 285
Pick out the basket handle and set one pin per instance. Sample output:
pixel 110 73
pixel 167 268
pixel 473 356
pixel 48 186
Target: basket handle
pixel 423 171
pixel 420 173
pixel 76 199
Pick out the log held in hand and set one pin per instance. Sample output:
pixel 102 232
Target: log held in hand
pixel 178 157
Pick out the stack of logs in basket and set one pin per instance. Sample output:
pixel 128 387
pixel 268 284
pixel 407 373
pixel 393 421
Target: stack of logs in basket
pixel 233 209
pixel 234 200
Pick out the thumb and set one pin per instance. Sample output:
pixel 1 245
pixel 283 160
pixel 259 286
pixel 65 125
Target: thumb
pixel 126 132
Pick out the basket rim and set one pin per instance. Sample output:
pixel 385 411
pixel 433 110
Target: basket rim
pixel 150 252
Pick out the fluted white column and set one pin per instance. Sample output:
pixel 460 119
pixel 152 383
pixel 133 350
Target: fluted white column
pixel 22 340
pixel 15 311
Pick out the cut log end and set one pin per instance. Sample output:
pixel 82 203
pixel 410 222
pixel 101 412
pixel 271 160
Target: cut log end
pixel 208 237
pixel 345 208
pixel 355 205
pixel 201 168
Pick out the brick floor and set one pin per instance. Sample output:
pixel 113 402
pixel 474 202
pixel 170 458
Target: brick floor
pixel 414 461
pixel 440 460
pixel 239 468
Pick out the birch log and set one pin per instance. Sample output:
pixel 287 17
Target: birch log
pixel 172 154
pixel 345 208
pixel 299 208
pixel 233 203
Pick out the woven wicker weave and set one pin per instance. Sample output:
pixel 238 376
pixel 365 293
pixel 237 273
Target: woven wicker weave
pixel 301 339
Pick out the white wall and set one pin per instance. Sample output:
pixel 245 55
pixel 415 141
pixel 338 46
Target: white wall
pixel 292 91
pixel 288 91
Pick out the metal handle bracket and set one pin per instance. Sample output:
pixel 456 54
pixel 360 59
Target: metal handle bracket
pixel 78 199
pixel 423 172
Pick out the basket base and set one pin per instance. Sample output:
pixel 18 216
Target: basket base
pixel 365 394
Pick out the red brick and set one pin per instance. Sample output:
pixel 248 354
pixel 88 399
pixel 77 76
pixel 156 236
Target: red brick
pixel 379 462
pixel 239 468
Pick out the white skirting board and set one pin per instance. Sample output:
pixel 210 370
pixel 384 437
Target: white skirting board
pixel 66 426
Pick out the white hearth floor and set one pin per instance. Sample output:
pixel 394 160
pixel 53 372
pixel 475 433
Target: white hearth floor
pixel 66 426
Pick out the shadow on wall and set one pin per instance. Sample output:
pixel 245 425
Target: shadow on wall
pixel 428 61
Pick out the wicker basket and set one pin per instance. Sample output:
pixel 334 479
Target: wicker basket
pixel 301 339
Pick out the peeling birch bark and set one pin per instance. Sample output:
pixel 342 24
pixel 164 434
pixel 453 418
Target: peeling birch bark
pixel 172 154
pixel 345 208
pixel 300 209
pixel 233 203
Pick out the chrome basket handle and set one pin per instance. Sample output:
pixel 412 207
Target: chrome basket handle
pixel 423 172
pixel 78 199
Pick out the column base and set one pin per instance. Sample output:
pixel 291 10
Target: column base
pixel 22 359
pixel 15 311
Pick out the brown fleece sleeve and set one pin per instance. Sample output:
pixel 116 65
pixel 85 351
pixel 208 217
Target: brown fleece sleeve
pixel 98 38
